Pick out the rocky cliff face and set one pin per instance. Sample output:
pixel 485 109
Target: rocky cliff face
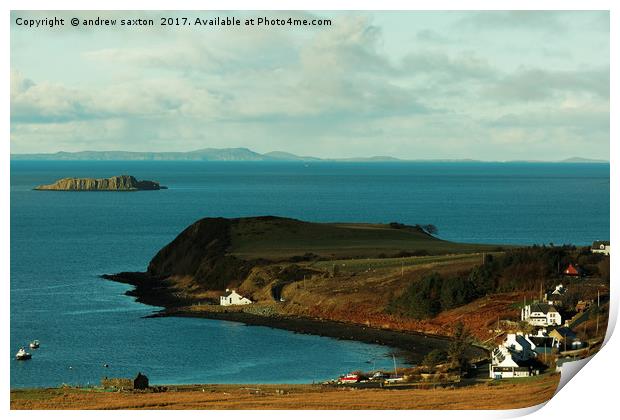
pixel 115 183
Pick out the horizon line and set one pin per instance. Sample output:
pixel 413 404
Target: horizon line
pixel 277 155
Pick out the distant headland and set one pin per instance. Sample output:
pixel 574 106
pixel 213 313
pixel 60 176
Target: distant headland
pixel 115 183
pixel 242 154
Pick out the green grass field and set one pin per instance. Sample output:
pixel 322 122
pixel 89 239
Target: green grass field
pixel 278 238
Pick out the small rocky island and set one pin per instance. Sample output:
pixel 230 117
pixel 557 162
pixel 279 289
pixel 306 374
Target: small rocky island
pixel 115 183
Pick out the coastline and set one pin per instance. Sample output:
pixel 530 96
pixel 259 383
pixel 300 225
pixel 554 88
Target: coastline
pixel 411 346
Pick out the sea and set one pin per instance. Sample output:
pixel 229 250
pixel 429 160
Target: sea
pixel 61 242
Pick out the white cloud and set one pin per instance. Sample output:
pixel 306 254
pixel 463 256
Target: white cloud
pixel 333 91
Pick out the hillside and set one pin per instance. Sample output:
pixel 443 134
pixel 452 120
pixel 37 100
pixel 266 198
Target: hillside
pixel 233 154
pixel 218 252
pixel 316 267
pixel 378 276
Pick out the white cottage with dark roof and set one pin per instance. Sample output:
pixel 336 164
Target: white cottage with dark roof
pixel 507 363
pixel 233 298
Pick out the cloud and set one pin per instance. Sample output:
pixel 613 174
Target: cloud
pixel 585 120
pixel 341 90
pixel 515 20
pixel 458 69
pixel 539 84
pixel 432 37
pixel 45 102
pixel 338 73
pixel 41 103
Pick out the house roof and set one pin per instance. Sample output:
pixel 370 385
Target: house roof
pixel 597 244
pixel 564 332
pixel 516 339
pixel 541 341
pixel 542 307
pixel 141 376
pixel 573 270
pixel 234 292
pixel 231 292
pixel 498 354
pixel 560 289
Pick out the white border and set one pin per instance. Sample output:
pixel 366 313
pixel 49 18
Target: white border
pixel 593 392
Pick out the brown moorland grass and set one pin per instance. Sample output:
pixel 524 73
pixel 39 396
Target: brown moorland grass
pixel 507 394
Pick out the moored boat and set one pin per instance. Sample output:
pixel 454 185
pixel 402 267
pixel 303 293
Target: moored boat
pixel 34 344
pixel 23 355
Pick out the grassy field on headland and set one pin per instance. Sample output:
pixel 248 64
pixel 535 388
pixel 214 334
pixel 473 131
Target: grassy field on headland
pixel 519 393
pixel 381 276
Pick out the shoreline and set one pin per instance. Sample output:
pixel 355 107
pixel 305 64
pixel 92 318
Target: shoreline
pixel 411 346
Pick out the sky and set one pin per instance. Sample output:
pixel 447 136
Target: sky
pixel 414 85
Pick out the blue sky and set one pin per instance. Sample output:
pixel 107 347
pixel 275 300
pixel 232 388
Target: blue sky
pixel 417 85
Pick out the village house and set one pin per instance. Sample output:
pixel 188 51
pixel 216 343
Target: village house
pixel 600 247
pixel 568 339
pixel 561 334
pixel 517 356
pixel 554 297
pixel 507 363
pixel 583 305
pixel 541 315
pixel 233 298
pixel 573 270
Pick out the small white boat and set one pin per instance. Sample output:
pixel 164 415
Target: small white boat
pixel 34 344
pixel 23 355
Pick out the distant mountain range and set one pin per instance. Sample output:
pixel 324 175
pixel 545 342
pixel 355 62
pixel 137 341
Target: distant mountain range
pixel 237 154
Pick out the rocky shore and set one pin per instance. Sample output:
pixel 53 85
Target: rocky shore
pixel 115 183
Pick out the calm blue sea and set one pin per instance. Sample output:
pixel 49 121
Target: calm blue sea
pixel 61 242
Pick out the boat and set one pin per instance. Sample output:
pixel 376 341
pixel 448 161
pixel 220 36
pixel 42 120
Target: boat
pixel 23 355
pixel 34 344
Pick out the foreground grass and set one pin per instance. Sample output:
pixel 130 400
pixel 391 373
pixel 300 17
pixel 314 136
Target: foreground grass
pixel 492 395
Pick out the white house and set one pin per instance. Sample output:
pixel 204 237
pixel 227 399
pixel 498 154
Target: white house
pixel 600 247
pixel 506 364
pixel 233 298
pixel 513 358
pixel 541 315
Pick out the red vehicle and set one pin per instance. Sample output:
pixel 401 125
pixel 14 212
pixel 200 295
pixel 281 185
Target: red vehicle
pixel 351 378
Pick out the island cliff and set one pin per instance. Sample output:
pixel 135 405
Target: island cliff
pixel 115 183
